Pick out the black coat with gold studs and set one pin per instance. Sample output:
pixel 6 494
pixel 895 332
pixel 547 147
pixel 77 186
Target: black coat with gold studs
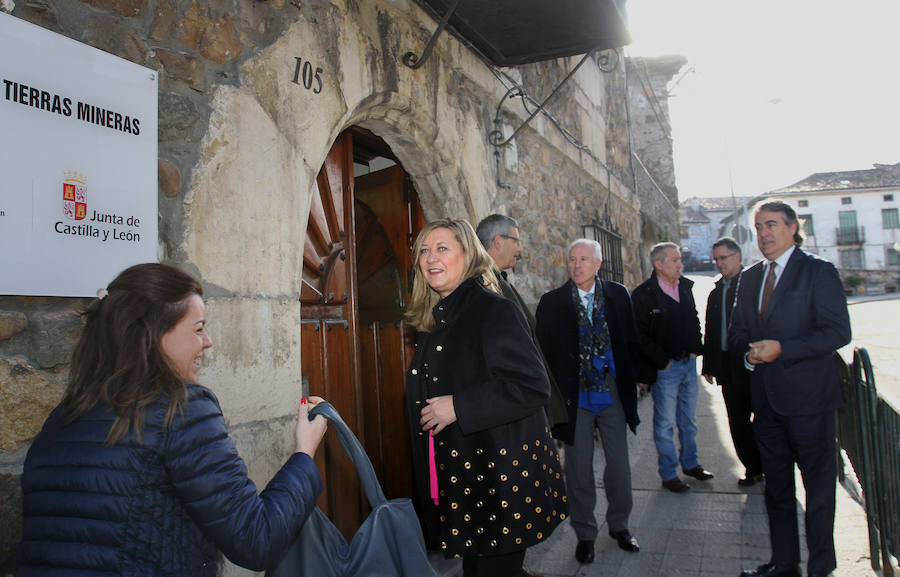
pixel 499 478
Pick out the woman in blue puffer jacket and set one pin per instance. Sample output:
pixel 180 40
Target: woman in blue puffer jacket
pixel 134 473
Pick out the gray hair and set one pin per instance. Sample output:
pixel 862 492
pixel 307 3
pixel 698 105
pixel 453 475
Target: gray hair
pixel 598 250
pixel 493 225
pixel 729 243
pixel 788 215
pixel 658 250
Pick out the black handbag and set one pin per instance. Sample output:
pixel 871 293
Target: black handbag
pixel 389 543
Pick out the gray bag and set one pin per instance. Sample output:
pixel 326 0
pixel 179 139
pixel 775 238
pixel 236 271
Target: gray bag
pixel 389 543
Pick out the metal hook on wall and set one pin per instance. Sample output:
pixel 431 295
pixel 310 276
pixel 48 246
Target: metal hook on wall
pixel 413 61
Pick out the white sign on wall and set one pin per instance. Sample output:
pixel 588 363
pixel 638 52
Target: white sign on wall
pixel 78 158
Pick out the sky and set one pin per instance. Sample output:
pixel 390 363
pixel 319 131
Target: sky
pixel 775 90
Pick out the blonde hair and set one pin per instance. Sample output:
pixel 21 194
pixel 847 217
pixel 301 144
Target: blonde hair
pixel 477 264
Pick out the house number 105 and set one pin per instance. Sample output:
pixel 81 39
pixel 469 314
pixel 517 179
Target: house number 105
pixel 303 72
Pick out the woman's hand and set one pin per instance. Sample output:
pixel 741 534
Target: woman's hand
pixel 309 434
pixel 438 413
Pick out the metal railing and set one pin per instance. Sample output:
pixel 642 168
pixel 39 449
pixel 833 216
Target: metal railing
pixel 850 234
pixel 869 433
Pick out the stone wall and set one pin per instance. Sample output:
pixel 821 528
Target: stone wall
pixel 240 145
pixel 648 92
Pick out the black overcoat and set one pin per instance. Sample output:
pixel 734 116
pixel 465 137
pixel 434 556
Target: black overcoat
pixel 557 332
pixel 500 481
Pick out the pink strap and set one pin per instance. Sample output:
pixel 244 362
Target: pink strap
pixel 432 470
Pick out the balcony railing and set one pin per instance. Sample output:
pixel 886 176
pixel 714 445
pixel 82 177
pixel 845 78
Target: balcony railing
pixel 850 235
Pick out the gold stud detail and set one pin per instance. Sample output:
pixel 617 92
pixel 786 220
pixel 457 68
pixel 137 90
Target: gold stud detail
pixel 518 540
pixel 454 532
pixel 548 518
pixel 538 443
pixel 528 526
pixel 564 499
pixel 467 491
pixel 442 466
pixel 453 478
pixel 515 462
pixel 493 542
pixel 491 465
pixel 528 499
pixel 524 473
pixel 454 453
pixel 480 530
pixel 467 465
pixel 502 451
pixel 504 504
pixel 517 516
pixel 493 517
pixel 443 518
pixel 468 543
pixel 534 456
pixel 537 484
pixel 415 372
pixel 467 518
pixel 515 488
pixel 443 544
pixel 503 477
pixel 454 506
pixel 491 491
pixel 439 348
pixel 480 477
pixel 479 504
pixel 540 535
pixel 562 516
pixel 506 530
pixel 479 451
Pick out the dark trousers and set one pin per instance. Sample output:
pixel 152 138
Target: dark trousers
pixel 509 565
pixel 736 394
pixel 808 441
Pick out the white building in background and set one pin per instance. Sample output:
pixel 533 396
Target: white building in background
pixel 851 218
pixel 702 221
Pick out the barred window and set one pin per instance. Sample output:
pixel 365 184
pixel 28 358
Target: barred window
pixel 889 218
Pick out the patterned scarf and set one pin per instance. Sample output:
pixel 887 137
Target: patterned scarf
pixel 594 353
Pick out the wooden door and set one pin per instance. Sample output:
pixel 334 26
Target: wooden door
pixel 388 218
pixel 355 347
pixel 328 328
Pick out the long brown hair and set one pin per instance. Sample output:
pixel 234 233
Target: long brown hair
pixel 118 360
pixel 478 263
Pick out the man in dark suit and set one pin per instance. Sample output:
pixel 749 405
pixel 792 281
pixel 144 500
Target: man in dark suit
pixel 499 234
pixel 789 318
pixel 727 368
pixel 587 332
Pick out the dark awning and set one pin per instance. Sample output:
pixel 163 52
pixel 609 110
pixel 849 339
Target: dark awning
pixel 512 32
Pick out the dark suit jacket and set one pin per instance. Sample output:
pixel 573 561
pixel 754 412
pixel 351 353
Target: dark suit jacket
pixel 808 316
pixel 715 362
pixel 557 332
pixel 556 406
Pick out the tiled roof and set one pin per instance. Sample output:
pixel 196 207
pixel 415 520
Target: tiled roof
pixel 715 202
pixel 882 175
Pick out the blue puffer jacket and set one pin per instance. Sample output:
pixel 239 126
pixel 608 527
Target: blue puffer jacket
pixel 161 507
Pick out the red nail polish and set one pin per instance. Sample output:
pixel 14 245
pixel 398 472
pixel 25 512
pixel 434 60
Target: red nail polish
pixel 302 400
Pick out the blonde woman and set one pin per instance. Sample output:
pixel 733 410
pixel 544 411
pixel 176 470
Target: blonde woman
pixel 488 479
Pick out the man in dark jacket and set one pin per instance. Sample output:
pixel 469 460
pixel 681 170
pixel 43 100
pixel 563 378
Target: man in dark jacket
pixel 587 332
pixel 499 234
pixel 727 368
pixel 790 315
pixel 670 342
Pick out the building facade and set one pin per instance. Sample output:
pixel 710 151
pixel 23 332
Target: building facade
pixel 851 219
pixel 295 203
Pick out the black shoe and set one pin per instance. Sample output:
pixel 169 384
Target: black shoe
pixel 772 570
pixel 584 552
pixel 676 485
pixel 750 480
pixel 626 540
pixel 699 473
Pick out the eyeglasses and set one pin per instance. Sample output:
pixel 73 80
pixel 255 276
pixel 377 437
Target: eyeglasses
pixel 515 239
pixel 723 257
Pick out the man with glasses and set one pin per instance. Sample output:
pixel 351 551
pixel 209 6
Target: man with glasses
pixel 499 234
pixel 727 368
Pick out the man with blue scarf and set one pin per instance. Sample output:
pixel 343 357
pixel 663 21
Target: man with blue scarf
pixel 588 335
